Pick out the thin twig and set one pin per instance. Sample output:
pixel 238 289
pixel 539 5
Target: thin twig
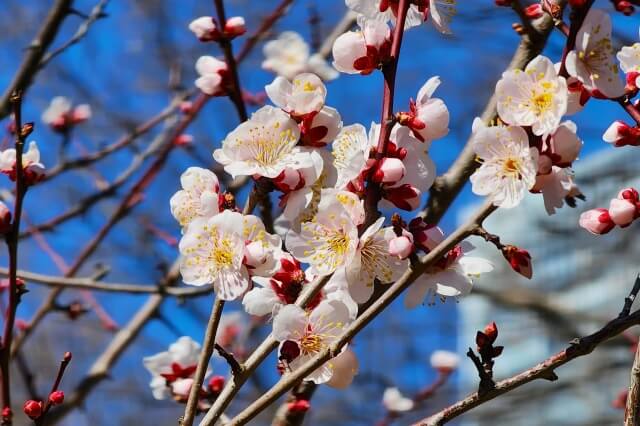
pixel 632 410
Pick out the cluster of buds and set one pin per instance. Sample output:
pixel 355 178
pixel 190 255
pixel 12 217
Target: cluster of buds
pixel 622 211
pixel 620 134
pixel 207 29
pixel 417 235
pixel 488 352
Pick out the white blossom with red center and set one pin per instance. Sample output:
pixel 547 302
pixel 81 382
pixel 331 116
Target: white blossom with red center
pixel 225 250
pixel 427 117
pixel 198 197
pixel 535 97
pixel 289 55
pixel 350 152
pixel 508 167
pixel 441 12
pixel 451 276
pixel 265 145
pixel 373 261
pixel 32 168
pixel 361 52
pixel 172 371
pixel 330 240
pixel 303 96
pixel 304 334
pixel 61 115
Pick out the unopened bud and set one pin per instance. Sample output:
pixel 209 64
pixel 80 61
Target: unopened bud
pixel 234 27
pixel 400 247
pixel 389 171
pixel 622 212
pixel 33 409
pixel 519 260
pixel 56 398
pixel 597 221
pixel 299 406
pixel 205 28
pixel 216 383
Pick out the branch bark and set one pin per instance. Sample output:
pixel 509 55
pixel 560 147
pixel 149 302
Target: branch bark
pixel 632 410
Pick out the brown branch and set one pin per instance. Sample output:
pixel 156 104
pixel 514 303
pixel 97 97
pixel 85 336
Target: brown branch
pixel 31 62
pixel 544 370
pixel 632 410
pixel 447 187
pixel 96 13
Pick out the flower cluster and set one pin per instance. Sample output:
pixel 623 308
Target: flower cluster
pixel 62 116
pixel 623 210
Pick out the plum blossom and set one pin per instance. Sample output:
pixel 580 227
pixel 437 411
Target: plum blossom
pixel 350 152
pixel 304 334
pixel 213 74
pixel 361 52
pixel 440 11
pixel 172 371
pixel 508 167
pixel 225 250
pixel 597 221
pixel 629 57
pixel 321 128
pixel 427 117
pixel 564 145
pixel 331 239
pixel 622 211
pixel 302 96
pixel 592 62
pixel 301 186
pixel 264 145
pixel 61 115
pixel 534 97
pixel 197 198
pixel 373 261
pixel 554 186
pixel 451 276
pixel 345 368
pixel 205 28
pixel 32 168
pixel 395 402
pixel 289 55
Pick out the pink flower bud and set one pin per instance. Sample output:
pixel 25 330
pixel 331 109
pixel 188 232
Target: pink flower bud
pixel 33 409
pixel 444 361
pixel 205 28
pixel 405 197
pixel 235 26
pixel 299 406
pixel 621 134
pixel 401 247
pixel 544 164
pixel 216 383
pixel 56 398
pixel 80 114
pixel 630 194
pixel 519 260
pixel 426 236
pixel 622 212
pixel 596 221
pixel 389 171
pixel 255 254
pixel 289 180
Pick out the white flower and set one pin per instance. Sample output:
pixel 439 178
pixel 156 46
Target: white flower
pixel 592 62
pixel 224 249
pixel 288 56
pixel 564 145
pixel 395 402
pixel 444 361
pixel 173 369
pixel 429 117
pixel 197 198
pixel 264 145
pixel 508 167
pixel 330 240
pixel 534 97
pixel 373 260
pixel 304 95
pixel 440 11
pixel 350 152
pixel 555 186
pixel 451 276
pixel 32 168
pixel 212 73
pixel 322 128
pixel 361 52
pixel 302 334
pixel 629 57
pixel 345 368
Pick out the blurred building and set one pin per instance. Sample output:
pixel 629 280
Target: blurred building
pixel 579 282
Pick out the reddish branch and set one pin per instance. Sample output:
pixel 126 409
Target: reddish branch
pixel 12 245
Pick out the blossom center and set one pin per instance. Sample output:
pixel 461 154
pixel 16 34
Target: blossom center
pixel 542 102
pixel 311 343
pixel 222 253
pixel 511 167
